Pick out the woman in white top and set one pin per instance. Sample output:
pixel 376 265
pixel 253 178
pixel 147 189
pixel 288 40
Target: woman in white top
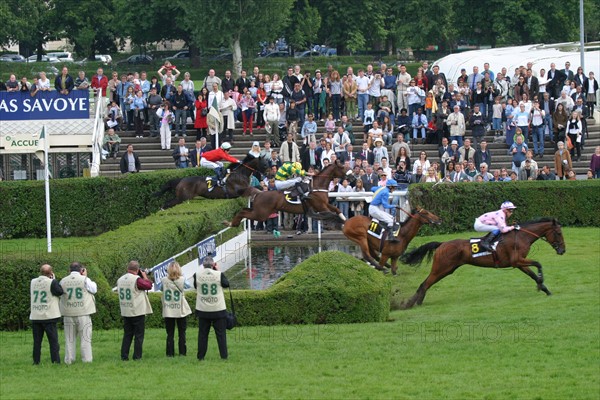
pixel 255 150
pixel 431 175
pixel 525 100
pixel 43 83
pixel 574 130
pixel 542 81
pixel 276 89
pixel 268 84
pixel 327 153
pixel 422 162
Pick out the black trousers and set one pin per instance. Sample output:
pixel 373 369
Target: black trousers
pixel 220 326
pixel 133 327
pixel 38 328
pixel 181 327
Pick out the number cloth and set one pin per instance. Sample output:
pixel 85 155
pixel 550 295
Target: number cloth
pixel 133 301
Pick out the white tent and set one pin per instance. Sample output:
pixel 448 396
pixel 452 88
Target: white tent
pixel 541 55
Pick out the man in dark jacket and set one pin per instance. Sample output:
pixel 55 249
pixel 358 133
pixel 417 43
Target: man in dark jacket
pixel 130 162
pixel 64 83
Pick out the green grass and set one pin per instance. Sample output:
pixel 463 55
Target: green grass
pixel 480 334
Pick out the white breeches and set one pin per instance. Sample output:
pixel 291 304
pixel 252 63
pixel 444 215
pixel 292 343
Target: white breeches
pixel 287 184
pixel 209 164
pixel 379 213
pixel 479 227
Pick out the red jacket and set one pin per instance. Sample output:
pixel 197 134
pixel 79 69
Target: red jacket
pixel 218 155
pixel 102 83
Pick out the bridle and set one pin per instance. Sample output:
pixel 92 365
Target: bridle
pixel 417 215
pixel 555 242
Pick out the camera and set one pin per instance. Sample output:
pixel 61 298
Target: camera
pixel 145 270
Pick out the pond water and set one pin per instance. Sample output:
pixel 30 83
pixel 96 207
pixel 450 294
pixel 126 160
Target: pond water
pixel 266 264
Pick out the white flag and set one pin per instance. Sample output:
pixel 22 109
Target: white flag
pixel 42 147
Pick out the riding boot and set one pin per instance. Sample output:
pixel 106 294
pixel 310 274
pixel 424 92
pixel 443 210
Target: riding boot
pixel 390 233
pixel 219 173
pixel 489 239
pixel 300 190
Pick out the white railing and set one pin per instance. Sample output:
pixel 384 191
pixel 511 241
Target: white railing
pixel 98 135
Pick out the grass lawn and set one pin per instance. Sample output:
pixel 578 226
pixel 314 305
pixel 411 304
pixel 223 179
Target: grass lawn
pixel 479 334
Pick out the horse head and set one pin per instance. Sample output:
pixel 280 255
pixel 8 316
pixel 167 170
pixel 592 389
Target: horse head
pixel 427 217
pixel 555 237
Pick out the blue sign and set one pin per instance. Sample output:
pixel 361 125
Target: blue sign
pixel 21 106
pixel 159 272
pixel 207 247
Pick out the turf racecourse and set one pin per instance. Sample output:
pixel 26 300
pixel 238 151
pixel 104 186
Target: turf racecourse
pixel 485 334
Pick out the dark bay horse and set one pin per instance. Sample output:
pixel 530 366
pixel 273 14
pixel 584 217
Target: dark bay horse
pixel 317 202
pixel 356 229
pixel 192 186
pixel 511 252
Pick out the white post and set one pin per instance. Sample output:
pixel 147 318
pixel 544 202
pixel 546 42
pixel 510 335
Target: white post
pixel 47 190
pixel 319 233
pixel 581 35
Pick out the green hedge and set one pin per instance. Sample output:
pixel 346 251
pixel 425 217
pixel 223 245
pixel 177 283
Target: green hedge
pixel 573 203
pixel 82 206
pixel 161 235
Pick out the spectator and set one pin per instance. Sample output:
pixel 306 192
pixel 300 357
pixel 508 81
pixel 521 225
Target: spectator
pixel 271 116
pixel 518 151
pixel 289 150
pixel 350 90
pixel 343 203
pixel 483 155
pixel 137 111
pixel 130 162
pixel 63 82
pixel 595 163
pixel 175 308
pixel 24 86
pixel 168 69
pixel 456 122
pixel 483 172
pixel 546 174
pixel 526 173
pixel 180 106
pixel 210 307
pixel 419 123
pixel 181 155
pixel 590 87
pixel 134 304
pixel 466 152
pixel 248 106
pixel 574 132
pixel 77 305
pixel 154 102
pixel 562 161
pixel 309 129
pixel 12 85
pixel 379 151
pixel 195 154
pixel 111 143
pixel 100 81
pixel 559 121
pixel 43 82
pixel 459 175
pixel 81 82
pixel 201 105
pixel 114 116
pixel 212 79
pixel 45 313
pixel 422 162
pixel 403 157
pixel 165 115
pixel 431 176
pixel 227 108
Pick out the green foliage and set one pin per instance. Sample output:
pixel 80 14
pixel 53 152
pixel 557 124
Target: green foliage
pixel 304 25
pixel 159 236
pixel 573 203
pixel 82 206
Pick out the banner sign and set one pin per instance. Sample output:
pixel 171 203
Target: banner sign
pixel 21 106
pixel 207 247
pixel 159 272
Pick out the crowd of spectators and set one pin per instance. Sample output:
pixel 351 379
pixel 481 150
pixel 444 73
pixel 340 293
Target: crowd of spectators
pixel 523 109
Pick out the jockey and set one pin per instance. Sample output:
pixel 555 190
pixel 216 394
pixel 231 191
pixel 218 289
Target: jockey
pixel 212 159
pixel 495 223
pixel 290 175
pixel 381 201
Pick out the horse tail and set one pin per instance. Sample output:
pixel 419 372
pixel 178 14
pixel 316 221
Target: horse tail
pixel 169 186
pixel 416 256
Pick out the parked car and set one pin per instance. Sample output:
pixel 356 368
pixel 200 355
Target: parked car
pixel 63 56
pixel 308 53
pixel 222 57
pixel 107 57
pixel 183 55
pixel 47 59
pixel 137 59
pixel 273 54
pixel 50 71
pixel 97 58
pixel 12 58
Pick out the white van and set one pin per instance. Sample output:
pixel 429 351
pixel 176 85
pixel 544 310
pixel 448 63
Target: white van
pixel 63 56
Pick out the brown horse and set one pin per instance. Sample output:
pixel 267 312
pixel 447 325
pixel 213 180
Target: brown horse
pixel 192 186
pixel 315 205
pixel 511 252
pixel 356 229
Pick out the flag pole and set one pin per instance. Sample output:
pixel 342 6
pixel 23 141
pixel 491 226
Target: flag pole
pixel 47 190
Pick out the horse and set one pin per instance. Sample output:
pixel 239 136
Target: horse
pixel 316 204
pixel 357 227
pixel 238 181
pixel 511 251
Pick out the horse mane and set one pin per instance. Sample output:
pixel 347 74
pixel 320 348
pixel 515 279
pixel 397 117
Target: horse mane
pixel 540 220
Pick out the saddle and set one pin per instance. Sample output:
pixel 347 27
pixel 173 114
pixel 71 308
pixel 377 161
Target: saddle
pixel 293 196
pixel 213 181
pixel 478 251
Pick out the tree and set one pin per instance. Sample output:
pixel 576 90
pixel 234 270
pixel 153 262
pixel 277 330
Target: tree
pixel 33 23
pixel 235 23
pixel 90 26
pixel 304 25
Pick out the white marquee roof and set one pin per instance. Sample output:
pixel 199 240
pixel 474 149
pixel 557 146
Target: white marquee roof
pixel 512 57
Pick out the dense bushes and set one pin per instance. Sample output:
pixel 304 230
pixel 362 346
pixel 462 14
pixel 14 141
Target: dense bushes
pixel 82 206
pixel 573 203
